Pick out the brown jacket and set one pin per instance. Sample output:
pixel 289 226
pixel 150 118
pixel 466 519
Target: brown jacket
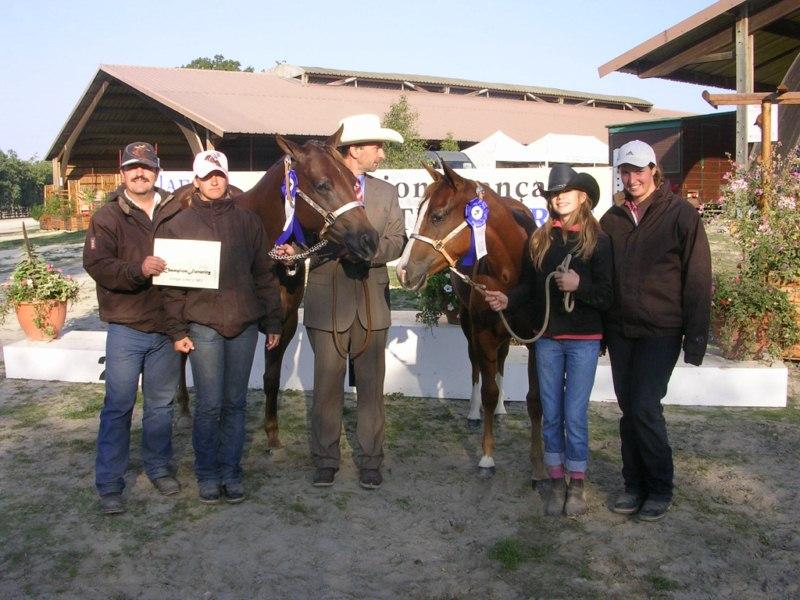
pixel 385 215
pixel 662 273
pixel 248 289
pixel 119 238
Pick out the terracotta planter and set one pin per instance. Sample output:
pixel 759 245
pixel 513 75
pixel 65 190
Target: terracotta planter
pixel 54 313
pixel 452 316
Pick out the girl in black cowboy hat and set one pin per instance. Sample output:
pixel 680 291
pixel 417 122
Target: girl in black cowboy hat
pixel 567 352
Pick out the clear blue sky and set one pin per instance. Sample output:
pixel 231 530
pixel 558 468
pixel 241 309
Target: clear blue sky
pixel 52 49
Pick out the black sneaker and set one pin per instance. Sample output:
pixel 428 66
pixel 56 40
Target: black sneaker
pixel 628 503
pixel 370 479
pixel 112 504
pixel 323 477
pixel 654 510
pixel 233 492
pixel 209 493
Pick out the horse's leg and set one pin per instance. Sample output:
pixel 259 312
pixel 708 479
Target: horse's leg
pixel 534 404
pixel 185 416
pixel 474 414
pixel 502 353
pixel 292 288
pixel 487 344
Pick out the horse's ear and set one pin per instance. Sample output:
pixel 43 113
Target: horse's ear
pixel 435 175
pixel 453 178
pixel 333 141
pixel 288 146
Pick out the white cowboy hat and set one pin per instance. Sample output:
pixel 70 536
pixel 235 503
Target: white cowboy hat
pixel 366 128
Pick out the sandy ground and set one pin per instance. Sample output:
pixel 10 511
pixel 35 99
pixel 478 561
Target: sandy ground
pixel 434 530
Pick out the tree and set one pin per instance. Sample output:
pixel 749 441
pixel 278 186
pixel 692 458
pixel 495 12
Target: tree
pixel 449 143
pixel 22 181
pixel 409 155
pixel 218 63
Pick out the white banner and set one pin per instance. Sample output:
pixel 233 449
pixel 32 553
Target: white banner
pixel 411 184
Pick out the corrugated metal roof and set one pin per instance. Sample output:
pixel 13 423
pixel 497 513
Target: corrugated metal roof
pixel 228 103
pixel 476 85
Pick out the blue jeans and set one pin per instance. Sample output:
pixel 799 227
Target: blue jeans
pixel 221 370
pixel 130 353
pixel 566 371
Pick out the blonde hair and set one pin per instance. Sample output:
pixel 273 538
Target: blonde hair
pixel 587 235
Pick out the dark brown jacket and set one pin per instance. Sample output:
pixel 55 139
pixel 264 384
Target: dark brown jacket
pixel 119 238
pixel 248 289
pixel 662 273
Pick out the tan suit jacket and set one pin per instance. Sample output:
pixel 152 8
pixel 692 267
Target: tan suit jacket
pixel 385 215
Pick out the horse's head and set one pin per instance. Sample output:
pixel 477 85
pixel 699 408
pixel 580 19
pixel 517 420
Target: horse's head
pixel 326 180
pixel 440 215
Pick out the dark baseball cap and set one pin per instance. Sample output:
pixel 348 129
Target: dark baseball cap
pixel 140 153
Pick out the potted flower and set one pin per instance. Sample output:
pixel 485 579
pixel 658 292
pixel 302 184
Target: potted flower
pixel 754 311
pixel 438 298
pixel 38 293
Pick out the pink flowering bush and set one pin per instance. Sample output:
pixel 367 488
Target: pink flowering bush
pixel 752 314
pixel 36 282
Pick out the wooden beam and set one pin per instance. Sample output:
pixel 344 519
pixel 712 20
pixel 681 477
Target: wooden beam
pixel 744 80
pixel 191 135
pixel 771 14
pixel 478 92
pixel 690 55
pixel 344 81
pixel 533 97
pixel 415 87
pixel 717 100
pixel 715 57
pixel 63 156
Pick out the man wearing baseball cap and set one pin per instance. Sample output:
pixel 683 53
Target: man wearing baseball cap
pixel 118 256
pixel 361 146
pixel 662 303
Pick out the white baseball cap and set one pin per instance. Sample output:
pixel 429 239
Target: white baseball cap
pixel 360 129
pixel 636 153
pixel 209 161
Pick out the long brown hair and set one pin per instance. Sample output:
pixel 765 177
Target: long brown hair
pixel 589 228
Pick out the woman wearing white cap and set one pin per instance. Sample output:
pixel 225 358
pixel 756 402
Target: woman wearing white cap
pixel 662 300
pixel 219 327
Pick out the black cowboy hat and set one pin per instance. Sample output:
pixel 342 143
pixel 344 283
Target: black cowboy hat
pixel 564 177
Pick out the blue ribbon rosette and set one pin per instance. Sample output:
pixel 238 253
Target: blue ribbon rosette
pixel 476 214
pixel 291 228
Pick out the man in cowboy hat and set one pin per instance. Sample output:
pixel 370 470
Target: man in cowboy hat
pixel 118 256
pixel 360 322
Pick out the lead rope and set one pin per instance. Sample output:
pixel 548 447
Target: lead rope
pixel 336 341
pixel 569 304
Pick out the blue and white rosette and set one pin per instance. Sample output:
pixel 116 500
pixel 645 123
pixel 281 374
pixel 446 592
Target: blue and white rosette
pixel 476 214
pixel 291 227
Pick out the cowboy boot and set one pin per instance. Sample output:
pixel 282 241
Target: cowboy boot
pixel 576 499
pixel 555 501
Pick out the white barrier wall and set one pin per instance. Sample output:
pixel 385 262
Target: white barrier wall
pixel 411 184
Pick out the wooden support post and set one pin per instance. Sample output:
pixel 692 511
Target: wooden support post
pixel 744 80
pixel 766 155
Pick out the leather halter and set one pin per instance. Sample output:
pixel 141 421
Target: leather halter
pixel 439 245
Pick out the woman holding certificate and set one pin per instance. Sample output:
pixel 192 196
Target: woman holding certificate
pixel 218 327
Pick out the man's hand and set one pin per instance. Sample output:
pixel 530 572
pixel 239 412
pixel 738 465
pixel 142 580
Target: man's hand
pixel 496 300
pixel 567 282
pixel 184 345
pixel 273 339
pixel 284 250
pixel 152 265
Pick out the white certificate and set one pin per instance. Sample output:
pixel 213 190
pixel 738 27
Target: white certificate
pixel 190 263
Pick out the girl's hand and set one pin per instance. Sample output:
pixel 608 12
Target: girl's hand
pixel 284 250
pixel 567 282
pixel 496 300
pixel 184 345
pixel 273 339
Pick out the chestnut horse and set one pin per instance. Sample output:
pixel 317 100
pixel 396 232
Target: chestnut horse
pixel 441 237
pixel 323 179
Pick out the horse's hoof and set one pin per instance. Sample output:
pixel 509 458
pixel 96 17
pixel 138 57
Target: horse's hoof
pixel 270 451
pixel 184 422
pixel 486 472
pixel 473 423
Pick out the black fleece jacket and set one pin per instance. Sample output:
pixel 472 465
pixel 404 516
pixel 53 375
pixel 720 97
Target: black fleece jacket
pixel 594 293
pixel 662 273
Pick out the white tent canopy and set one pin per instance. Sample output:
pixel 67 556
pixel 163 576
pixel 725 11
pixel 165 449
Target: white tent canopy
pixel 568 148
pixel 497 147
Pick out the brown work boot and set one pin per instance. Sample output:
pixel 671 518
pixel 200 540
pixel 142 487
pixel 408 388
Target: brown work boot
pixel 576 499
pixel 555 501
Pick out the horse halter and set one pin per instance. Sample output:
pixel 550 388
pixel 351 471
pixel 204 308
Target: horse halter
pixel 328 216
pixel 439 245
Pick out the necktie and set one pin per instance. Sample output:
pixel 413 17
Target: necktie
pixel 359 192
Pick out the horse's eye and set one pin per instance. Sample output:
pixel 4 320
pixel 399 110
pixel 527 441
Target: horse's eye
pixel 323 185
pixel 437 218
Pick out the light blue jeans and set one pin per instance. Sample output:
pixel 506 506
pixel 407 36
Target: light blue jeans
pixel 566 371
pixel 221 369
pixel 130 353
